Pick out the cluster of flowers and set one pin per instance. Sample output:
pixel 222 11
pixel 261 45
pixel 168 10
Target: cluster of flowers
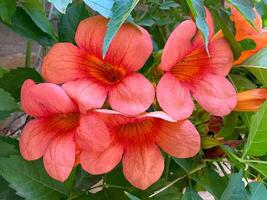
pixel 70 128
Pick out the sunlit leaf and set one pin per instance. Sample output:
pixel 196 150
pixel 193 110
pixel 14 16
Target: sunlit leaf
pixel 235 189
pixel 61 5
pixel 257 191
pixel 245 7
pixel 198 10
pixel 121 10
pixel 103 7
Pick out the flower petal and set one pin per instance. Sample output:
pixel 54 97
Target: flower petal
pixel 123 48
pixel 92 133
pixel 260 40
pixel 159 115
pixel 174 97
pixel 198 39
pixel 133 95
pixel 215 94
pixel 88 94
pixel 100 162
pixel 64 62
pixel 179 139
pixel 59 158
pixel 173 51
pixel 34 139
pixel 44 99
pixel 142 165
pixel 221 57
pixel 243 27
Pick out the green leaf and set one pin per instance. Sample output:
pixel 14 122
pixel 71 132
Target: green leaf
pixel 34 9
pixel 61 5
pixel 245 7
pixel 103 7
pixel 8 146
pixel 210 180
pixel 83 180
pixel 228 31
pixel 257 141
pixel 198 10
pixel 7 104
pixel 132 197
pixel 257 64
pixel 260 167
pixel 257 191
pixel 6 193
pixel 30 180
pixel 168 5
pixel 229 125
pixel 69 22
pixel 7 9
pixel 12 81
pixel 121 10
pixel 242 83
pixel 2 72
pixel 191 194
pixel 235 189
pixel 25 26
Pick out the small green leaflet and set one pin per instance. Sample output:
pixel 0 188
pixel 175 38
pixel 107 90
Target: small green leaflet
pixel 198 10
pixel 120 12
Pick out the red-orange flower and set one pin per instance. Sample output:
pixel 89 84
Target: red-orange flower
pixel 250 100
pixel 89 79
pixel 245 31
pixel 135 140
pixel 59 130
pixel 190 70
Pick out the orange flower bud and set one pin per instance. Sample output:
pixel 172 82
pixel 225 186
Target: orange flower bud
pixel 250 100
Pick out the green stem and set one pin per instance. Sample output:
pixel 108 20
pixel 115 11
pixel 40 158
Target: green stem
pixel 176 180
pixel 115 186
pixel 28 54
pixel 167 168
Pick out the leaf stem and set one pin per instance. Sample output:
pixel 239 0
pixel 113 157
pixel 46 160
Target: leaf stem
pixel 28 54
pixel 176 180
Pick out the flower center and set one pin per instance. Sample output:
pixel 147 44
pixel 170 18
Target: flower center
pixel 104 72
pixel 63 123
pixel 191 66
pixel 136 131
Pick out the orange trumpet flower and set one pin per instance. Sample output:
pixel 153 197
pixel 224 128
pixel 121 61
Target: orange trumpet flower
pixel 250 100
pixel 245 31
